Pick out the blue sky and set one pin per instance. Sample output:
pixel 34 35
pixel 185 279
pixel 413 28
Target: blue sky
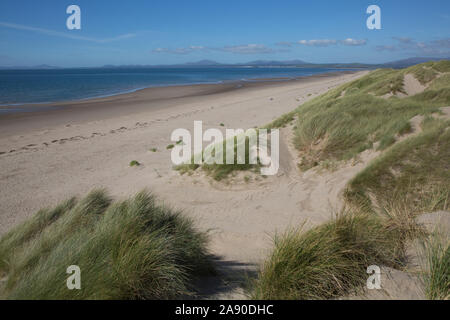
pixel 165 32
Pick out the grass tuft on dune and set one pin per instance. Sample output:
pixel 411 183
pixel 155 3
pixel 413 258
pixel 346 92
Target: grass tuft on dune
pixel 416 170
pixel 221 171
pixel 436 273
pixel 134 249
pixel 364 113
pixel 331 259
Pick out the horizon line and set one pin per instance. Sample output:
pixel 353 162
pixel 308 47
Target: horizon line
pixel 253 63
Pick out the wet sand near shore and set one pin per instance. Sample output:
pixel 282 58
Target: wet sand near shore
pixel 37 116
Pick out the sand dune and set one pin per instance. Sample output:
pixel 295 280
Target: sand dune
pixel 412 86
pixel 56 158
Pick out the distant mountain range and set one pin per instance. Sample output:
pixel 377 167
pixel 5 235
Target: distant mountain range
pixel 257 63
pixel 300 63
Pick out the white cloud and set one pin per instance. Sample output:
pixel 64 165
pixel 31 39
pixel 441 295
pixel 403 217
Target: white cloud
pixel 353 42
pixel 238 49
pixel 260 48
pixel 404 40
pixel 443 43
pixel 318 43
pixel 186 50
pixel 247 49
pixel 67 35
pixel 284 44
pixel 386 48
pixel 435 47
pixel 330 42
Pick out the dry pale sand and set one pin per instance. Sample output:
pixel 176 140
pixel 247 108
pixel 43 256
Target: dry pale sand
pixel 412 86
pixel 56 153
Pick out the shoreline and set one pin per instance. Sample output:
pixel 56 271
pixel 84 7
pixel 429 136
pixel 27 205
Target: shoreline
pixel 27 105
pixel 42 115
pixel 13 105
pixel 47 157
pixel 50 156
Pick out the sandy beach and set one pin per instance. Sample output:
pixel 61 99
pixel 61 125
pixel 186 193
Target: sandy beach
pixel 70 148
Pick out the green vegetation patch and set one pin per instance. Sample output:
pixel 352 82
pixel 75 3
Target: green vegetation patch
pixel 134 163
pixel 282 121
pixel 222 171
pixel 345 121
pixel 331 259
pixel 436 273
pixel 416 170
pixel 134 249
pixel 410 177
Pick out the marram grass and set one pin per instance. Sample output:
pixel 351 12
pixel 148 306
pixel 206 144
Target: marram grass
pixel 330 260
pixel 436 274
pixel 383 200
pixel 134 249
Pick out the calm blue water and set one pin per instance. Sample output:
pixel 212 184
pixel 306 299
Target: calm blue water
pixel 40 86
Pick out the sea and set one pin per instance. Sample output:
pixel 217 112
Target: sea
pixel 21 87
